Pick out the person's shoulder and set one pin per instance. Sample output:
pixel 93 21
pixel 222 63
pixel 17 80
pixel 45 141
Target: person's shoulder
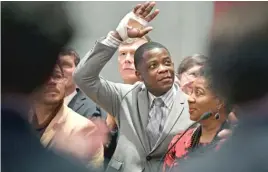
pixel 83 97
pixel 184 135
pixel 139 84
pixel 74 119
pixel 184 138
pixel 130 88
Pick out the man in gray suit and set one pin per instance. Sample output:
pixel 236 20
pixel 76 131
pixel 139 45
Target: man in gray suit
pixel 145 128
pixel 75 98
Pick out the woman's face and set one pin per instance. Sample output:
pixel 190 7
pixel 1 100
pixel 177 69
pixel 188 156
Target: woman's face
pixel 201 99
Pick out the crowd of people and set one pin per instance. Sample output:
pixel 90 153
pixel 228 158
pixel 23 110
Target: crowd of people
pixel 59 114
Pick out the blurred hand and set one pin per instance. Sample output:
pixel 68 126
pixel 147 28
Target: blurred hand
pixel 187 87
pixel 228 132
pixel 82 143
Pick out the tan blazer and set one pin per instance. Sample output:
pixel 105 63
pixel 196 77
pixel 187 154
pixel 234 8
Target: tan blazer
pixel 72 122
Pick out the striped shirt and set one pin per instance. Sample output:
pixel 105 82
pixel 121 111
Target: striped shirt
pixel 168 100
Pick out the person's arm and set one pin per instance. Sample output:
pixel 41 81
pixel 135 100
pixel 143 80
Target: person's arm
pixel 105 93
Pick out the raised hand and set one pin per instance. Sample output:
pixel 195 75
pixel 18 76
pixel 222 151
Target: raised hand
pixel 144 12
pixel 135 23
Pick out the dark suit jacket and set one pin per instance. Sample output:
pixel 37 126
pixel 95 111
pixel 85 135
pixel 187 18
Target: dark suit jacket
pixel 22 151
pixel 84 106
pixel 245 151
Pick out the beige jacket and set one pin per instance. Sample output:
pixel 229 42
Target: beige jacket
pixel 72 122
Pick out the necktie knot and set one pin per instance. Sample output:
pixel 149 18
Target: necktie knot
pixel 158 102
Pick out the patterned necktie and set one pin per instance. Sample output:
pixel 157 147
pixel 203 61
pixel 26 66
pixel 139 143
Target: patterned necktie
pixel 155 124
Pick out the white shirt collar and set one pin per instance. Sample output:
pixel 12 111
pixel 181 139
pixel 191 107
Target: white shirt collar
pixel 168 97
pixel 69 98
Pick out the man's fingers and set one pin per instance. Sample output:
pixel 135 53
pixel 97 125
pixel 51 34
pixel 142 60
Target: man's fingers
pixel 138 33
pixel 142 9
pixel 148 9
pixel 136 8
pixel 152 16
pixel 145 31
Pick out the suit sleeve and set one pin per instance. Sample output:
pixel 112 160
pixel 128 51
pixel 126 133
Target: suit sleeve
pixel 106 94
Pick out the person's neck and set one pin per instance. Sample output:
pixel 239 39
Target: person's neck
pixel 158 94
pixel 43 112
pixel 209 130
pixel 70 90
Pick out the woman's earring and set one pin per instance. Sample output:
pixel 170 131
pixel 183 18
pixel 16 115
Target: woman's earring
pixel 217 116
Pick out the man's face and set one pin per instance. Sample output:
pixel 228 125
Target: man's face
pixel 126 60
pixel 54 90
pixel 68 67
pixel 156 69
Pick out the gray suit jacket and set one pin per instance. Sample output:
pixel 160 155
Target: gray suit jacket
pixel 84 106
pixel 130 105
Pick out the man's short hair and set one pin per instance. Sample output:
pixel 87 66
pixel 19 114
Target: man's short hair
pixel 132 40
pixel 238 60
pixel 144 48
pixel 70 52
pixel 31 42
pixel 191 61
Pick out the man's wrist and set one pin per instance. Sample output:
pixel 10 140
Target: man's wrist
pixel 116 35
pixel 112 40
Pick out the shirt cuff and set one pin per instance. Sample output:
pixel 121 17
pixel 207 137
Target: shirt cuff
pixel 111 41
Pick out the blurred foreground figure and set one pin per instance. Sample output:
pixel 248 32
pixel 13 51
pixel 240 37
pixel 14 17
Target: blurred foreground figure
pixel 60 128
pixel 238 69
pixel 32 35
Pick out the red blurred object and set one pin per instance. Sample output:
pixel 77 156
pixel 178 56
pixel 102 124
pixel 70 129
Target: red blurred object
pixel 223 6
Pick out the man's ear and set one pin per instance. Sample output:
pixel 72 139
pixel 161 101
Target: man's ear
pixel 138 74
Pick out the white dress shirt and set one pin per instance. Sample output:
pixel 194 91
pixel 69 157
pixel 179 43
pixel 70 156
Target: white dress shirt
pixel 69 98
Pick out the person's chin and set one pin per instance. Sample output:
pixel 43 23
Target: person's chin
pixel 167 86
pixel 52 101
pixel 193 117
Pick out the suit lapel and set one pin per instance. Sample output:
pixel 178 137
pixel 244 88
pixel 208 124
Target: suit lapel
pixel 77 102
pixel 50 131
pixel 143 113
pixel 173 117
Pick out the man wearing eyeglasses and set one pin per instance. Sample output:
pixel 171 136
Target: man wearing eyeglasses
pixel 62 129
